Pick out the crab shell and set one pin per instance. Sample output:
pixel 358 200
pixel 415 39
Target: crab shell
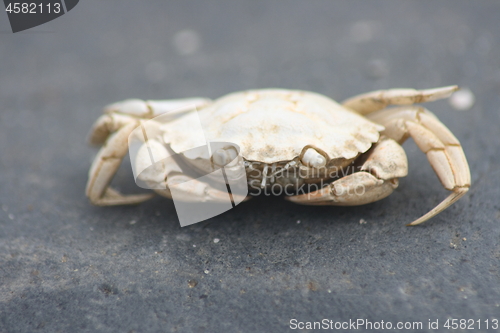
pixel 276 125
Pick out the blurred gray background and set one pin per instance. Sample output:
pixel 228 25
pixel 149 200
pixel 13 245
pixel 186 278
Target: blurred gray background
pixel 66 265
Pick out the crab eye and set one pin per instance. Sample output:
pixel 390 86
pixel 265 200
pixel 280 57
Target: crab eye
pixel 224 156
pixel 313 159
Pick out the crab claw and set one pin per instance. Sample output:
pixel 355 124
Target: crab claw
pixel 356 189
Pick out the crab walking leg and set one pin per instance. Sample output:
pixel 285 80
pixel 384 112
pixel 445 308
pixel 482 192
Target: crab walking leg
pixel 151 108
pixel 381 168
pixel 442 148
pixel 113 129
pixel 104 167
pixel 119 114
pixel 378 100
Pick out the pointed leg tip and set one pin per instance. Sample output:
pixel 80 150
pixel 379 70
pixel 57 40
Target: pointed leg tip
pixel 452 88
pixel 447 202
pixel 416 222
pixel 421 219
pixel 449 89
pixel 440 93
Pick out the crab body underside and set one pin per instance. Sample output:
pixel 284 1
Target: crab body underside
pixel 320 152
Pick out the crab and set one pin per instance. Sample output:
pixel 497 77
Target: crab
pixel 290 138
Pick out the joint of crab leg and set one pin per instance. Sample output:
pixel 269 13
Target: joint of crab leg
pixel 107 124
pixel 312 158
pixel 226 156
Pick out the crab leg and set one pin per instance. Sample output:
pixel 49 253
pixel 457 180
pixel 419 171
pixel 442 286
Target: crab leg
pixel 113 129
pixel 442 148
pixel 151 108
pixel 104 167
pixel 107 124
pixel 378 100
pixel 383 164
pixel 119 114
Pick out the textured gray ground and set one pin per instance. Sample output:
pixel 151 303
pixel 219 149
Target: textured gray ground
pixel 69 266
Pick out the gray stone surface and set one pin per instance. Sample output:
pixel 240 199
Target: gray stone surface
pixel 68 266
